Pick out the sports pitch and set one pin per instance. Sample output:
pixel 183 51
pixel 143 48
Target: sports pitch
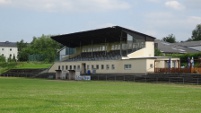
pixel 21 95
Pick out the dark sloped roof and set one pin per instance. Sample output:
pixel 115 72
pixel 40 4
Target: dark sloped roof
pixel 109 34
pixel 189 44
pixel 166 47
pixel 8 44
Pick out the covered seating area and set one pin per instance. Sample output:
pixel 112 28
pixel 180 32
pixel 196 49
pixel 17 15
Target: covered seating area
pixel 110 43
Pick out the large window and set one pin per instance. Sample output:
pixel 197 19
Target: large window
pixel 127 66
pixel 107 67
pixel 113 67
pixel 102 66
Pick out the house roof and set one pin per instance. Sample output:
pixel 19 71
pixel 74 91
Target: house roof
pixel 189 43
pixel 8 44
pixel 166 47
pixel 97 36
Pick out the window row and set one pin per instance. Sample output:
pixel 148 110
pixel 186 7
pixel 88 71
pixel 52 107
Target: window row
pixel 93 67
pixel 3 49
pixel 102 66
pixel 70 67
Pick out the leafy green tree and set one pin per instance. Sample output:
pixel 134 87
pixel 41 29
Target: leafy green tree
pixel 157 52
pixel 22 46
pixel 40 49
pixel 2 58
pixel 170 38
pixel 196 33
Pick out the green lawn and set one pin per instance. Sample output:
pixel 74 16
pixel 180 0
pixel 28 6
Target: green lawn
pixel 20 95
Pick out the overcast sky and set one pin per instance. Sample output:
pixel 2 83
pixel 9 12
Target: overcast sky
pixel 23 19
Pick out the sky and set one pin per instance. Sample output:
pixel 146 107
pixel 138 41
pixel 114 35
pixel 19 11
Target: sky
pixel 24 19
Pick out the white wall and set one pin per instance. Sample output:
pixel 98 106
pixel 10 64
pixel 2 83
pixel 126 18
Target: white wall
pixel 7 51
pixel 148 51
pixel 137 66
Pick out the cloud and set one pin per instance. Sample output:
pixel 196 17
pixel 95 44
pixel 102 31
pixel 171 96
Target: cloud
pixel 5 2
pixel 174 5
pixel 193 4
pixel 155 1
pixel 71 5
pixel 160 24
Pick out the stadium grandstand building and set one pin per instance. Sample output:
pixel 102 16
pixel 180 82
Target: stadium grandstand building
pixel 112 50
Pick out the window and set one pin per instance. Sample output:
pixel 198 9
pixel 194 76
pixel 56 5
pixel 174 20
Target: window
pixel 62 67
pixel 2 49
pixel 102 66
pixel 113 67
pixel 78 66
pixel 70 67
pixel 127 66
pixel 92 66
pixel 10 49
pixel 66 67
pixel 58 67
pixel 74 67
pixel 107 67
pixel 151 65
pixel 97 66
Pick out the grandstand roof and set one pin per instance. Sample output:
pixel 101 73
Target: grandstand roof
pixel 97 36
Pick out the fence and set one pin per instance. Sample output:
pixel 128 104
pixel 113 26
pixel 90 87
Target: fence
pixel 178 70
pixel 156 78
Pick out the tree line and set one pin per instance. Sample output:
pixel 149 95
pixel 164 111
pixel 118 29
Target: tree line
pixel 40 49
pixel 196 36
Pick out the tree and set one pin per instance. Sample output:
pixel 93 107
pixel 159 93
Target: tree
pixel 40 49
pixel 157 52
pixel 22 55
pixel 170 38
pixel 2 58
pixel 196 33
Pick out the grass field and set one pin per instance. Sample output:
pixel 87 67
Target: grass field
pixel 20 95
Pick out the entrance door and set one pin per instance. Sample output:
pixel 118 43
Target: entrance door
pixel 71 75
pixel 83 68
pixel 58 74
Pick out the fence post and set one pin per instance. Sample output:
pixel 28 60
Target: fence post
pixel 197 81
pixel 183 80
pixel 145 79
pixel 134 78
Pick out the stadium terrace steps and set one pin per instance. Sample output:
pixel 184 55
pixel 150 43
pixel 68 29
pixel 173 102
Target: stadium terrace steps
pixel 23 72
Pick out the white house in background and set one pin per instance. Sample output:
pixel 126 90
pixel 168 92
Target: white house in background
pixel 8 49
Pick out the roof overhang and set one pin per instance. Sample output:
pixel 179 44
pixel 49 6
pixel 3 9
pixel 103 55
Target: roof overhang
pixel 97 36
